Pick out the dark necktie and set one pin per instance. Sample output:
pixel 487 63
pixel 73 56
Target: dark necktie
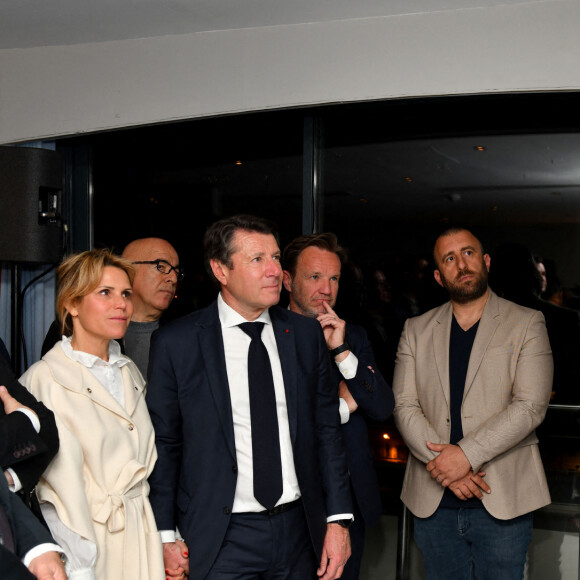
pixel 265 434
pixel 6 537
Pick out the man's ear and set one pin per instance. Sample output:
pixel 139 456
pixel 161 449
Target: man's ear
pixel 287 280
pixel 437 276
pixel 219 271
pixel 487 260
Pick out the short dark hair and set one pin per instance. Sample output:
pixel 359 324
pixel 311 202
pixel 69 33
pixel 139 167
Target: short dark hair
pixel 455 230
pixel 217 241
pixel 325 241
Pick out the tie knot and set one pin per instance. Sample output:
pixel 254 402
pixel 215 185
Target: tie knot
pixel 252 329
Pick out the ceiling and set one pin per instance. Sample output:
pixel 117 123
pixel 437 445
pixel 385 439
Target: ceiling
pixel 33 23
pixel 425 168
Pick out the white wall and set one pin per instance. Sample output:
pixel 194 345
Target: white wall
pixel 54 91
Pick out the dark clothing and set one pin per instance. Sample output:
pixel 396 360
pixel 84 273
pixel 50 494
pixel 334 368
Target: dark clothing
pixel 28 453
pixel 194 481
pixel 375 401
pixel 27 532
pixel 460 345
pixel 137 342
pixel 4 354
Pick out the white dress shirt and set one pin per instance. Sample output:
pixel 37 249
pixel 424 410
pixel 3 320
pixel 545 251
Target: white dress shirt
pixel 236 345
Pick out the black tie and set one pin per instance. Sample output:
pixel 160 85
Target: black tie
pixel 6 537
pixel 265 434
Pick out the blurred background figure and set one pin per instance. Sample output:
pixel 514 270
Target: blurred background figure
pixel 514 275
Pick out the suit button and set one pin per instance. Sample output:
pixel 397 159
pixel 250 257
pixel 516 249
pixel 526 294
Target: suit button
pixel 227 511
pixel 131 427
pixel 234 469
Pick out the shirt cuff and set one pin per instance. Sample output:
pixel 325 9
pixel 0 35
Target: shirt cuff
pixel 34 417
pixel 335 517
pixel 348 366
pixel 82 574
pixel 38 551
pixel 17 483
pixel 167 536
pixel 343 410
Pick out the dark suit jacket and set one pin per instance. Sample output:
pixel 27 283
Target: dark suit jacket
pixel 28 532
pixel 194 480
pixel 21 448
pixel 376 402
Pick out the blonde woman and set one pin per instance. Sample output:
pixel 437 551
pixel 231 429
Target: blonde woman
pixel 94 494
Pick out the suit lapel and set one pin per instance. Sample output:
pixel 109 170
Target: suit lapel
pixel 488 324
pixel 286 344
pixel 214 358
pixel 440 338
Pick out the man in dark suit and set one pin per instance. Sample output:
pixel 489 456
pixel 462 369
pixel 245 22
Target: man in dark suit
pixel 28 433
pixel 312 267
pixel 24 539
pixel 200 398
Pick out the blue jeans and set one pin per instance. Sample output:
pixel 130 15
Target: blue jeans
pixel 455 543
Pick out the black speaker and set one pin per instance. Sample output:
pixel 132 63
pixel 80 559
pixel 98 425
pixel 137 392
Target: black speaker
pixel 30 205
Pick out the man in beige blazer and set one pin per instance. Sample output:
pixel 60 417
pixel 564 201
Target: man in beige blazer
pixel 472 381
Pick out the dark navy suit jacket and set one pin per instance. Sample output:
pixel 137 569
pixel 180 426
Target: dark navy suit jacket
pixel 28 532
pixel 194 481
pixel 375 401
pixel 21 448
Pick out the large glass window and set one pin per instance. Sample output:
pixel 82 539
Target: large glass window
pixel 391 176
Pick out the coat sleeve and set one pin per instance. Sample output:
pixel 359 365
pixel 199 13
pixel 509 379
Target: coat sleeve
pixel 164 408
pixel 368 387
pixel 410 419
pixel 530 397
pixel 28 453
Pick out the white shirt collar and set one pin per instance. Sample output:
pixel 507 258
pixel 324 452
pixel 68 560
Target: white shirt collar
pixel 229 317
pixel 90 360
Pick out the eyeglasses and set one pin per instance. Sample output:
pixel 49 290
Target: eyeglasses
pixel 165 267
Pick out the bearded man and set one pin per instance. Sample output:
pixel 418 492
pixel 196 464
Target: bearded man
pixel 472 382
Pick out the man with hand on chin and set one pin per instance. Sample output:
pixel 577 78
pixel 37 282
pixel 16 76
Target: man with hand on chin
pixel 312 266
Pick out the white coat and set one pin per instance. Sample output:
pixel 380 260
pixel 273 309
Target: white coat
pixel 98 480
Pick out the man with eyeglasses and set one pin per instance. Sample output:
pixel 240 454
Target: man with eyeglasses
pixel 157 272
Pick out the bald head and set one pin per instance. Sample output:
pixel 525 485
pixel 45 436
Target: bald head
pixel 153 291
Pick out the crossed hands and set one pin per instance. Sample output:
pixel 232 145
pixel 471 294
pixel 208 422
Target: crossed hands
pixel 452 469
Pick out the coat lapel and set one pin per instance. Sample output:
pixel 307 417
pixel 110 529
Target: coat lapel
pixel 76 377
pixel 488 324
pixel 440 338
pixel 286 344
pixel 134 387
pixel 214 358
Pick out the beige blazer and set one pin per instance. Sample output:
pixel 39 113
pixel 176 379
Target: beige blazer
pixel 507 390
pixel 98 480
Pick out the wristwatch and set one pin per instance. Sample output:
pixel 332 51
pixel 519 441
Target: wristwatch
pixel 343 523
pixel 339 349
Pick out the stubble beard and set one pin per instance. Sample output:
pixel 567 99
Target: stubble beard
pixel 463 294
